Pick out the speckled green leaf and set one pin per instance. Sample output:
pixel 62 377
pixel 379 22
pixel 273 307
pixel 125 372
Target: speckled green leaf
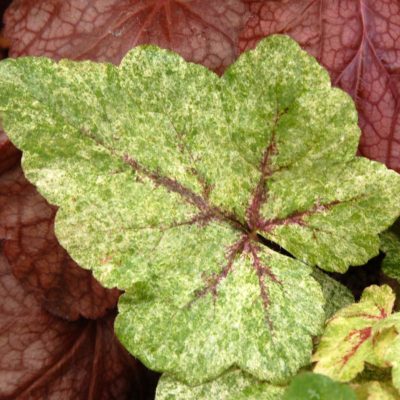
pixel 261 324
pixel 335 294
pixel 347 340
pixel 390 245
pixel 170 181
pixel 375 391
pixel 233 385
pixel 310 386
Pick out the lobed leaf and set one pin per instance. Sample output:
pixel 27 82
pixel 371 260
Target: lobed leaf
pixel 347 342
pixel 171 181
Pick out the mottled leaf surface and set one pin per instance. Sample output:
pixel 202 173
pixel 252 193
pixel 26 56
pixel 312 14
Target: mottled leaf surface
pixel 31 248
pixel 347 342
pixel 390 245
pixel 307 386
pixel 45 357
pixel 233 385
pixel 358 42
pixel 180 173
pixel 335 294
pixel 203 31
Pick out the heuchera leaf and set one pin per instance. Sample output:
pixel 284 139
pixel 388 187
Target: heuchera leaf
pixel 233 385
pixel 348 338
pixel 38 261
pixel 390 245
pixel 307 386
pixel 43 357
pixel 375 391
pixel 180 173
pixel 358 42
pixel 203 31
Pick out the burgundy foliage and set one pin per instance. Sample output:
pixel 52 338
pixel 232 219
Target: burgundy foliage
pixel 56 336
pixel 43 356
pixel 203 31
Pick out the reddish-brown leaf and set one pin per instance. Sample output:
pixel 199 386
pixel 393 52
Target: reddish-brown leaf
pixel 45 357
pixel 359 43
pixel 203 31
pixel 40 263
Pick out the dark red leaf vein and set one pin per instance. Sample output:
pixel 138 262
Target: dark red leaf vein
pixel 214 280
pixel 363 336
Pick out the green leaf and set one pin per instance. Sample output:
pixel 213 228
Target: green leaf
pixel 233 385
pixel 310 386
pixel 390 245
pixel 347 341
pixel 335 294
pixel 375 391
pixel 232 321
pixel 178 187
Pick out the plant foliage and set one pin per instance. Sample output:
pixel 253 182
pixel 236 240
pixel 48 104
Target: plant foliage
pixel 208 200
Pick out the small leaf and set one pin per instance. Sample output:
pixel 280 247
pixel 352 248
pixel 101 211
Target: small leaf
pixel 307 386
pixel 233 385
pixel 179 187
pixel 347 341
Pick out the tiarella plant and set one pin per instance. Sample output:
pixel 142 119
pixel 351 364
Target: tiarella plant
pixel 211 201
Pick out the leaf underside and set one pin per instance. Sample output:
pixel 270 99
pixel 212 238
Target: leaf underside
pixel 171 181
